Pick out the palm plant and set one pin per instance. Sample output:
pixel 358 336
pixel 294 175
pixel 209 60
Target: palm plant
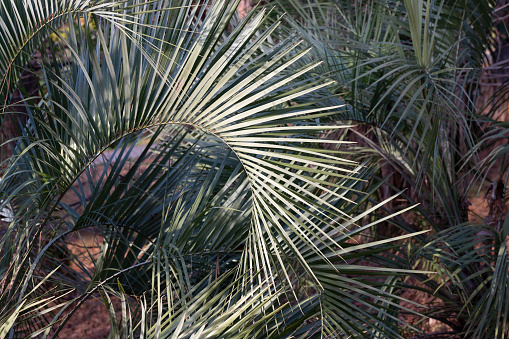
pixel 230 221
pixel 409 73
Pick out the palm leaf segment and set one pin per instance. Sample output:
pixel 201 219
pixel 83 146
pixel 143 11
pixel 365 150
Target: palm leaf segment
pixel 218 106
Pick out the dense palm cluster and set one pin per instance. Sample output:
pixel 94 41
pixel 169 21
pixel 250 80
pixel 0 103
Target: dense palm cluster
pixel 302 170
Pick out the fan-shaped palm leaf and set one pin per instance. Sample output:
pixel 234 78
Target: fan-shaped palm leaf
pixel 231 215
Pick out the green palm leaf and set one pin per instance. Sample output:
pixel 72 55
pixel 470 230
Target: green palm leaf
pixel 232 221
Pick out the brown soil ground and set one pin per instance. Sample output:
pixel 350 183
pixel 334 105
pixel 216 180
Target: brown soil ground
pixel 91 320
